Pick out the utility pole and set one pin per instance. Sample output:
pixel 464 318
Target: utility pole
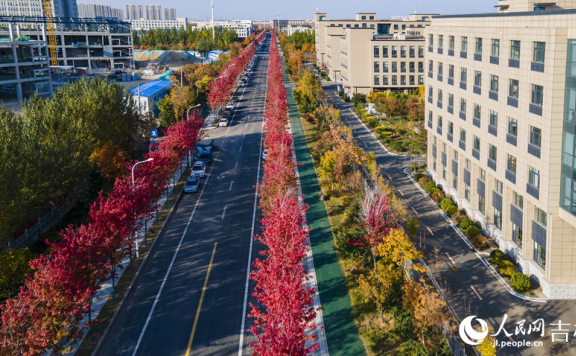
pixel 213 33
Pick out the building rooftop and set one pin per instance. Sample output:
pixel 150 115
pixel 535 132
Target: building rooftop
pixel 150 88
pixel 511 14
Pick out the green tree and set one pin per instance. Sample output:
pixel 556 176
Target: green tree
pixel 15 265
pixel 167 114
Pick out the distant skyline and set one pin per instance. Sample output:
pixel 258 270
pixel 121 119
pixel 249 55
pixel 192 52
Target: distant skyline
pixel 305 9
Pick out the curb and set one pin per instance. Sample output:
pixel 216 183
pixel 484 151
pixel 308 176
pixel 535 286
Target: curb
pixel 136 276
pixel 473 249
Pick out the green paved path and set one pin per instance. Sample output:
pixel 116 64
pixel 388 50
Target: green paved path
pixel 341 331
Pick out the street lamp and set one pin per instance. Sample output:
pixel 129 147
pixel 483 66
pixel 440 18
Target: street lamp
pixel 188 111
pixel 137 163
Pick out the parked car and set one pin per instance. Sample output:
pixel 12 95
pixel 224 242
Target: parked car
pixel 236 100
pixel 223 122
pixel 191 185
pixel 241 84
pixel 230 105
pixel 204 156
pixel 198 169
pixel 264 154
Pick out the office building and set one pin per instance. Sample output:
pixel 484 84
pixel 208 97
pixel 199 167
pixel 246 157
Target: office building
pixel 92 11
pixel 134 12
pixel 24 66
pixel 60 8
pixel 501 120
pixel 153 12
pixel 243 28
pixel 169 13
pixel 366 54
pixel 145 25
pixel 289 30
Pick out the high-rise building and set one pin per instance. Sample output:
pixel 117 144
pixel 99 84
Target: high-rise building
pixel 501 121
pixel 145 25
pixel 89 10
pixel 134 12
pixel 243 28
pixel 368 54
pixel 169 13
pixel 153 12
pixel 60 8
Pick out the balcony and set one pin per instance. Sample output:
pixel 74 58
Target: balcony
pixel 450 138
pixel 463 115
pixel 493 130
pixel 513 63
pixel 451 52
pixel 533 191
pixel 476 153
pixel 494 60
pixel 476 121
pixel 535 109
pixel 493 95
pixel 511 139
pixel 463 85
pixel 513 101
pixel 477 90
pixel 511 176
pixel 537 67
pixel 463 54
pixel 462 145
pixel 450 81
pixel 534 150
pixel 492 164
pixel 478 57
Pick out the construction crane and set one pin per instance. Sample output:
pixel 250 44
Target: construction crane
pixel 50 32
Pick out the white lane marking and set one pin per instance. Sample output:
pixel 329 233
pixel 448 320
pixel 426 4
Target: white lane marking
pixel 401 192
pixel 179 244
pixel 430 231
pixel 246 286
pixel 475 292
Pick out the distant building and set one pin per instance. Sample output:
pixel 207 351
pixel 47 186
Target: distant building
pixel 243 28
pixel 60 8
pixel 134 12
pixel 153 12
pixel 146 96
pixel 145 25
pixel 289 30
pixel 262 24
pixel 169 13
pixel 213 56
pixel 283 23
pixel 90 10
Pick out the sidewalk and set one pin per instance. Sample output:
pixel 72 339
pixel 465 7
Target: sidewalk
pixel 341 331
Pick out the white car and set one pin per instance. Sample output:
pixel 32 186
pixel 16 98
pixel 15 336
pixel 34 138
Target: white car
pixel 264 154
pixel 198 169
pixel 191 185
pixel 242 84
pixel 223 122
pixel 230 105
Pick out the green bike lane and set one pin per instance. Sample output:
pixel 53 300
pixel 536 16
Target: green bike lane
pixel 341 331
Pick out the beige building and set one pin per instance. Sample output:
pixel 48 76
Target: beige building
pixel 367 54
pixel 501 119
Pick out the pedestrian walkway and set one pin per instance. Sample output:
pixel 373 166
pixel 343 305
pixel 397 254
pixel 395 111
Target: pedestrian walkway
pixel 341 331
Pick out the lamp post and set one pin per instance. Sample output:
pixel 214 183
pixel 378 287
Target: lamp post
pixel 134 166
pixel 188 111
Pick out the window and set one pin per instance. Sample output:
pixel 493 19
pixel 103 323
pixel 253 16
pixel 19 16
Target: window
pixel 463 135
pixel 478 46
pixel 385 51
pixel 376 51
pixel 420 51
pixel 376 67
pixel 513 89
pixel 456 155
pixel 499 187
pixel 394 80
pixel 450 100
pixel 463 105
pixel 477 78
pixel 394 67
pixel 493 118
pixel 498 218
pixel 440 96
pixel 412 50
pixel 539 255
pixel 494 83
pixel 467 192
pixel 444 172
pixel 517 200
pixel 451 43
pixel 512 126
pixel 476 143
pixel 385 67
pixel 534 177
pixel 463 75
pixel 412 67
pixel 482 204
pixel 403 67
pixel 535 136
pixel 539 52
pixel 450 71
pixel 439 122
pixel 537 95
pixel 376 80
pixel 440 41
pixel 455 181
pixel 450 128
pixel 517 234
pixel 492 152
pixel 511 164
pixel 540 216
pixel 468 164
pixel 385 79
pixel 495 48
pixel 430 67
pixel 420 67
pixel 430 40
pixel 440 69
pixel 420 80
pixel 464 44
pixel 477 111
pixel 515 50
pixel 403 51
pixel 402 80
pixel 394 51
pixel 482 175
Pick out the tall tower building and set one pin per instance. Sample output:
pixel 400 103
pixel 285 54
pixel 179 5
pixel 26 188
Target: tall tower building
pixel 153 12
pixel 89 10
pixel 134 12
pixel 60 8
pixel 169 13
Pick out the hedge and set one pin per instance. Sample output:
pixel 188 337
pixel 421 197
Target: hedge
pixel 520 282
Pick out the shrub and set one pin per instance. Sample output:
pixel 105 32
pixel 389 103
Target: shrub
pixel 346 98
pixel 412 226
pixel 496 257
pixel 428 186
pixel 438 197
pixel 423 180
pixel 479 241
pixel 506 268
pixel 465 223
pixel 419 176
pixel 380 130
pixel 520 282
pixel 445 203
pixel 397 146
pixel 372 121
pixel 458 216
pixel 472 231
pixel 434 191
pixel 451 210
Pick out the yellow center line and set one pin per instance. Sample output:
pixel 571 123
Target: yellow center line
pixel 232 182
pixel 201 299
pixel 224 212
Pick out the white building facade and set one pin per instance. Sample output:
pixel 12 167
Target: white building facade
pixel 145 25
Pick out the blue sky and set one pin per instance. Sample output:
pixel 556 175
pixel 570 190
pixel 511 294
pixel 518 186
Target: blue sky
pixel 304 9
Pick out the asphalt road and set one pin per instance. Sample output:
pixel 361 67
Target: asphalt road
pixel 202 255
pixel 470 287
